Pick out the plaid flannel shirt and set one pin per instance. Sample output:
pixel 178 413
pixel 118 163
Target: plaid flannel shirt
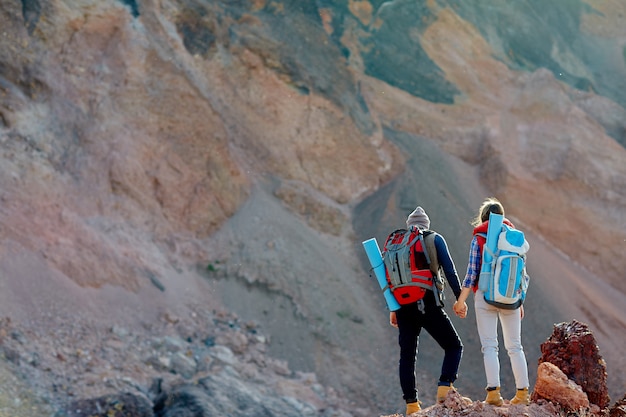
pixel 473 266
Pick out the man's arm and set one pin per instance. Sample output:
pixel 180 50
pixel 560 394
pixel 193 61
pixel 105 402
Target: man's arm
pixel 447 264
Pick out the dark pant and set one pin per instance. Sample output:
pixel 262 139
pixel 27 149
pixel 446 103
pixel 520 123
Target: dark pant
pixel 437 323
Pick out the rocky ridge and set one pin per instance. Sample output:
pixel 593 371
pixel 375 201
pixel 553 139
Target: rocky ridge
pixel 172 367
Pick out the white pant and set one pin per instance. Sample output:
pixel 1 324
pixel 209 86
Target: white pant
pixel 511 322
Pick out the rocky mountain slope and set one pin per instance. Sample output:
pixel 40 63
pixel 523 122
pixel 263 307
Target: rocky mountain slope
pixel 161 155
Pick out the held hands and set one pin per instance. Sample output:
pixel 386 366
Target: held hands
pixel 460 309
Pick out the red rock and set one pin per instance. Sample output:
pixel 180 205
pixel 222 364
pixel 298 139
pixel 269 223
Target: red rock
pixel 573 349
pixel 619 408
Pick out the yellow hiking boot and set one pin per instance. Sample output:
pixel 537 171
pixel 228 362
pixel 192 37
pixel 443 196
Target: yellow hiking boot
pixel 412 408
pixel 442 391
pixel 494 397
pixel 521 397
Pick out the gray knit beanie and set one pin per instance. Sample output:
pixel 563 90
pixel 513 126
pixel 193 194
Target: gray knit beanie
pixel 418 218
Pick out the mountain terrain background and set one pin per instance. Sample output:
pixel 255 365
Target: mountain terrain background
pixel 165 157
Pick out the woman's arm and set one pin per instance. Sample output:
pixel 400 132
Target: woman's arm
pixel 473 265
pixel 473 271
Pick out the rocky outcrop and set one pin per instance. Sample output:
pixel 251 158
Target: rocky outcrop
pixel 573 349
pixel 457 406
pixel 553 385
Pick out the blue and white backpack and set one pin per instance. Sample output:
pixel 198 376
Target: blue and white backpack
pixel 503 277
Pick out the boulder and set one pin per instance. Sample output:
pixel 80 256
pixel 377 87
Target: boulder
pixel 573 349
pixel 553 385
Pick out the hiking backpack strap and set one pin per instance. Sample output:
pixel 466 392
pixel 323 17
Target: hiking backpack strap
pixel 430 250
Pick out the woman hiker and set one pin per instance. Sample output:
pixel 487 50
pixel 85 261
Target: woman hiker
pixel 487 317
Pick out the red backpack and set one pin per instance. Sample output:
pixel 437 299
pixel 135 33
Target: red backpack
pixel 407 265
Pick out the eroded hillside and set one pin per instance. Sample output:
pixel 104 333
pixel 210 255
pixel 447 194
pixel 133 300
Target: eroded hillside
pixel 157 146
